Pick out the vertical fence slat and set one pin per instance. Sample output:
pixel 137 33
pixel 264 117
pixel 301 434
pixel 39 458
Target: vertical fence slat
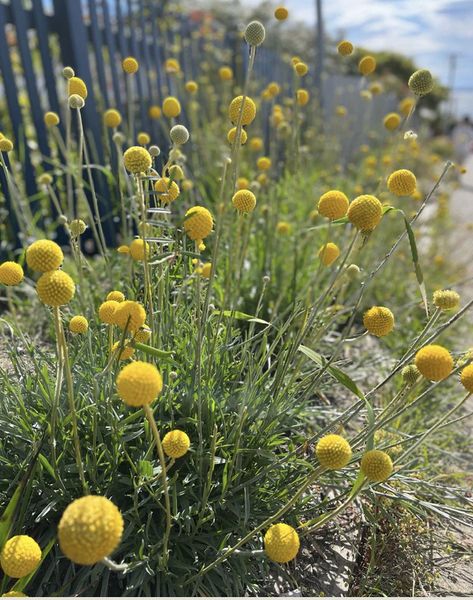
pixel 112 51
pixel 122 42
pixel 98 43
pixel 138 75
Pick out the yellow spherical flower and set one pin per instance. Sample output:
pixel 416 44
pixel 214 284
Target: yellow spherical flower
pixel 116 295
pixel 176 443
pixel 231 135
pixel 466 378
pixel 143 334
pixel 244 201
pixel 107 310
pixel 328 253
pixel 206 270
pixel 11 273
pixel 143 138
pixel 176 172
pixel 434 362
pixel 191 87
pixel 123 249
pixel 55 288
pixel 172 65
pixel 137 159
pixel 242 183
pixel 77 227
pixel 44 255
pixel 171 107
pixel 367 65
pixel 51 119
pixel 187 185
pixel 301 69
pixel 78 324
pixel 112 118
pixel 168 191
pixel 198 223
pixel 139 383
pixel 379 320
pixel 225 73
pixel 406 105
pixel 130 65
pixel 281 543
pixel 256 143
pixel 281 13
pixel 248 109
pixel 421 82
pixel 20 556
pixel 391 121
pixel 302 96
pixel 76 85
pixel 130 315
pixel 333 205
pixel 345 48
pixel 274 88
pixel 154 112
pixel 376 465
pixel 283 228
pixel 126 353
pixel 6 145
pixel 365 212
pixel 446 299
pixel 341 111
pixel 333 451
pixel 139 249
pixel 263 163
pixel 90 529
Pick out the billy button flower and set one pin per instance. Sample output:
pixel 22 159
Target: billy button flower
pixel 139 383
pixel 256 144
pixel 130 65
pixel 410 374
pixel 78 324
pixel 434 362
pixel 391 121
pixel 55 288
pixel 179 135
pixel 283 228
pixel 172 65
pixel 130 315
pixel 77 86
pixel 231 135
pixel 281 13
pixel 143 138
pixel 176 443
pixel 333 205
pixel 90 529
pixel 20 556
pixel 44 255
pixel 402 182
pixel 126 353
pixel 446 299
pixel 244 201
pixel 77 227
pixel 303 96
pixel 333 451
pixel 345 48
pixel 143 334
pixel 379 321
pixel 6 145
pixel 248 110
pixel 421 82
pixel 191 87
pixel 328 253
pixel 154 112
pixel 225 73
pixel 406 105
pixel 107 310
pixel 51 119
pixel 281 543
pixel 242 183
pixel 139 250
pixel 376 465
pixel 137 159
pixel 301 69
pixel 11 273
pixel 116 295
pixel 167 191
pixel 255 33
pixel 171 107
pixel 365 212
pixel 198 223
pixel 263 163
pixel 466 378
pixel 112 118
pixel 367 65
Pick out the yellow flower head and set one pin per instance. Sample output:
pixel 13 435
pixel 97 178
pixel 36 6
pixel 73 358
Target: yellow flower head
pixel 367 65
pixel 116 295
pixel 143 334
pixel 225 73
pixel 256 143
pixel 333 451
pixel 333 205
pixel 466 378
pixel 51 119
pixel 172 65
pixel 154 112
pixel 248 112
pixel 11 273
pixel 191 87
pixel 112 118
pixel 20 556
pixel 341 110
pixel 446 299
pixel 263 163
pixel 168 191
pixel 376 465
pixel 139 249
pixel 129 314
pixel 77 227
pixel 406 105
pixel 198 223
pixel 123 249
pixel 126 353
pixel 301 69
pixel 274 88
pixel 143 138
pixel 44 255
pixel 231 135
pixel 365 212
pixel 78 324
pixel 391 121
pixel 281 13
pixel 55 288
pixel 379 321
pixel 90 529
pixel 171 107
pixel 130 65
pixel 206 270
pixel 302 96
pixel 434 362
pixel 281 543
pixel 283 228
pixel 176 443
pixel 328 253
pixel 345 48
pixel 6 145
pixel 137 159
pixel 244 201
pixel 107 310
pixel 176 172
pixel 139 383
pixel 242 183
pixel 76 85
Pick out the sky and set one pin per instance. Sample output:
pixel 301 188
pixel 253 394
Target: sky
pixel 430 31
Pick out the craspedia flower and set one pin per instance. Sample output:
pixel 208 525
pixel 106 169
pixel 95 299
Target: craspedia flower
pixel 379 321
pixel 107 310
pixel 76 101
pixel 446 299
pixel 116 295
pixel 77 227
pixel 44 255
pixel 139 249
pixel 333 451
pixel 198 223
pixel 172 65
pixel 130 65
pixel 406 105
pixel 143 334
pixel 179 134
pixel 139 383
pixel 244 201
pixel 6 145
pixel 365 212
pixel 391 121
pixel 283 228
pixel 20 556
pixel 11 273
pixel 466 378
pixel 137 159
pixel 78 324
pixel 367 65
pixel 345 48
pixel 333 205
pixel 225 73
pixel 171 107
pixel 123 249
pixel 353 271
pixel 55 288
pixel 129 314
pixel 341 111
pixel 112 118
pixel 76 86
pixel 281 543
pixel 376 465
pixel 434 362
pixel 51 119
pixel 191 87
pixel 410 374
pixel 242 183
pixel 402 182
pixel 126 353
pixel 143 138
pixel 176 443
pixel 206 270
pixel 68 72
pixel 255 33
pixel 328 253
pixel 421 82
pixel 302 96
pixel 154 112
pixel 256 143
pixel 248 110
pixel 90 529
pixel 176 172
pixel 263 163
pixel 301 68
pixel 231 135
pixel 168 191
pixel 281 13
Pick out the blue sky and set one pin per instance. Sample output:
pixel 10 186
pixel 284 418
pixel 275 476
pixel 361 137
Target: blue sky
pixel 427 30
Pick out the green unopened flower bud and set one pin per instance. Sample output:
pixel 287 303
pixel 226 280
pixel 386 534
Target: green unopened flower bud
pixel 76 101
pixel 421 82
pixel 255 33
pixel 353 271
pixel 154 150
pixel 410 374
pixel 118 138
pixel 45 179
pixel 77 227
pixel 179 134
pixel 68 72
pixel 62 219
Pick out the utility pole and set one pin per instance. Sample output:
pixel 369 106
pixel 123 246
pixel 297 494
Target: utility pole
pixel 320 50
pixel 452 69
